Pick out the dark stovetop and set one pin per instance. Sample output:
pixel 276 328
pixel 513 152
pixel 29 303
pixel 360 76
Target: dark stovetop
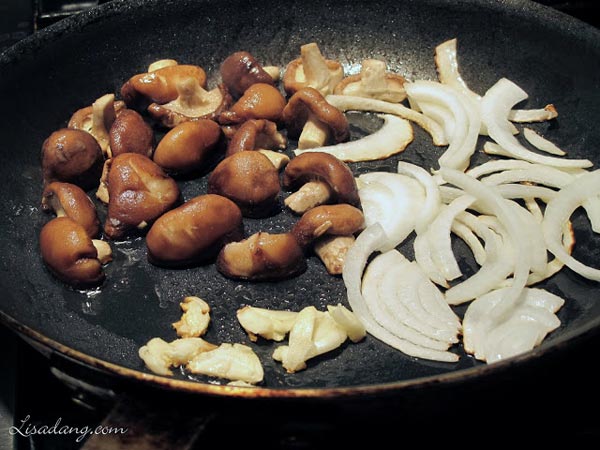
pixel 544 401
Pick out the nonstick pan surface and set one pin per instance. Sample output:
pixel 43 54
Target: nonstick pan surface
pixel 45 78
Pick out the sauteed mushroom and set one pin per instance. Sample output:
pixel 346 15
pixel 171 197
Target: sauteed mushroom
pixel 129 133
pixel 187 147
pixel 260 101
pixel 139 192
pixel 72 156
pixel 321 178
pixel 69 200
pixel 240 70
pixel 250 180
pixel 373 81
pixel 256 135
pixel 315 122
pixel 71 255
pixel 262 256
pixel 312 70
pixel 194 232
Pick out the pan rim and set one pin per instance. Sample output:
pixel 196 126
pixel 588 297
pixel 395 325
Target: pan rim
pixel 520 8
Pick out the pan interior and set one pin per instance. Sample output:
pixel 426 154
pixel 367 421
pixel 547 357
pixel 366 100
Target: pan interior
pixel 60 70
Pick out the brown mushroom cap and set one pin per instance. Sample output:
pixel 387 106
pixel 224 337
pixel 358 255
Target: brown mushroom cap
pixel 260 101
pixel 72 156
pixel 256 134
pixel 241 70
pixel 250 180
pixel 139 192
pixel 129 133
pixel 69 253
pixel 335 220
pixel 307 102
pixel 323 167
pixel 159 86
pixel 194 232
pixel 262 256
pixel 186 147
pixel 69 200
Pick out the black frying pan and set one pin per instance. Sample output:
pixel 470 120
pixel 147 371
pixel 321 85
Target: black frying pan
pixel 45 78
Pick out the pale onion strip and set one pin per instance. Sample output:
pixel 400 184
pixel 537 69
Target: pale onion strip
pixel 532 230
pixel 558 211
pixel 495 107
pixel 508 191
pixel 400 286
pixel 388 292
pixel 440 114
pixel 498 265
pixel 592 209
pixel 434 302
pixel 493 201
pixel 548 112
pixel 393 137
pixel 541 143
pixel 352 103
pixel 432 203
pixel 424 259
pixel 466 234
pixel 366 243
pixel 534 208
pixel 491 148
pixel 446 61
pixel 466 120
pixel 497 165
pixel 438 236
pixel 537 173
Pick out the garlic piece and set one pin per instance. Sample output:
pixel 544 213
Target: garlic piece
pixel 266 323
pixel 195 319
pixel 234 362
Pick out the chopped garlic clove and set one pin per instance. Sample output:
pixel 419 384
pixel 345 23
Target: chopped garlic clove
pixel 266 323
pixel 159 355
pixel 194 322
pixel 234 362
pixel 348 321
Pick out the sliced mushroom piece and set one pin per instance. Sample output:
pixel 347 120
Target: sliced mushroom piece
pixel 194 232
pixel 130 133
pixel 240 70
pixel 195 319
pixel 261 257
pixel 160 85
pixel 66 199
pixel 139 192
pixel 71 255
pixel 315 122
pixel 260 101
pixel 320 178
pixel 250 180
pixel 256 135
pixel 188 146
pixel 312 70
pixel 192 103
pixel 72 156
pixel 373 81
pixel 331 228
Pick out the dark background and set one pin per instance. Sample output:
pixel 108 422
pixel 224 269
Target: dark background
pixel 555 399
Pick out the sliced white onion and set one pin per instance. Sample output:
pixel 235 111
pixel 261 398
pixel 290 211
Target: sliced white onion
pixel 541 143
pixel 433 201
pixel 469 238
pixel 537 173
pixel 366 243
pixel 424 259
pixel 495 107
pixel 533 115
pixel 558 211
pixel 391 138
pixel 352 103
pixel 497 165
pixel 446 62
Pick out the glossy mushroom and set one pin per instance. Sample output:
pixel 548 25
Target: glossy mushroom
pixel 373 81
pixel 130 133
pixel 250 180
pixel 188 146
pixel 319 178
pixel 193 102
pixel 72 156
pixel 261 136
pixel 262 256
pixel 194 232
pixel 139 192
pixel 315 122
pixel 66 199
pixel 312 70
pixel 240 70
pixel 331 229
pixel 71 255
pixel 260 101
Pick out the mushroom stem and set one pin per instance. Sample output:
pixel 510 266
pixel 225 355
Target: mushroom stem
pixel 332 251
pixel 279 160
pixel 190 92
pixel 314 134
pixel 102 191
pixel 161 64
pixel 273 71
pixel 311 194
pixel 314 65
pixel 373 76
pixel 103 116
pixel 104 251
